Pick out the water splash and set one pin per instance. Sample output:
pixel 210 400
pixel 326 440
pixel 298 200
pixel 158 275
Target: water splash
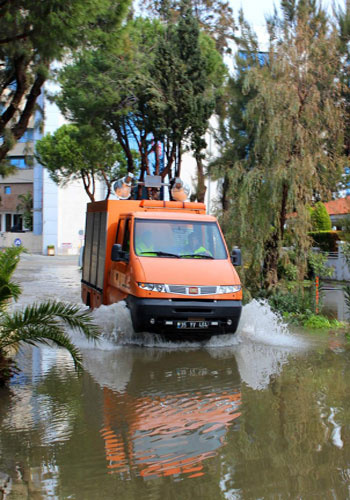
pixel 258 324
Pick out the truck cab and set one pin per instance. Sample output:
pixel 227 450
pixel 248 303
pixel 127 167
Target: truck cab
pixel 168 261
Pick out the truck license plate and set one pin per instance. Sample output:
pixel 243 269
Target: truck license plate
pixel 192 324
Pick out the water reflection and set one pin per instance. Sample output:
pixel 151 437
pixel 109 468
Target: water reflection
pixel 165 412
pixel 246 421
pixel 334 302
pixel 172 414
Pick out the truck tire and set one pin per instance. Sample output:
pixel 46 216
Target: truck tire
pixel 136 323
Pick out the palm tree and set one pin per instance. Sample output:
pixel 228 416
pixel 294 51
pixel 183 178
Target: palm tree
pixel 39 323
pixel 25 206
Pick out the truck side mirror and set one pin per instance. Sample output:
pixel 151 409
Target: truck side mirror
pixel 117 253
pixel 236 257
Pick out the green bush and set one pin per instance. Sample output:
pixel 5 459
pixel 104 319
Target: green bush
pixel 317 265
pixel 319 322
pixel 325 240
pixel 299 301
pixel 320 218
pixel 288 271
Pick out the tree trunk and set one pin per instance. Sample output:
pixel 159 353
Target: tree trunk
pixel 21 87
pixel 272 246
pixel 21 126
pixel 126 148
pixel 224 193
pixel 87 183
pixel 201 187
pixel 157 156
pixel 271 261
pixel 167 169
pixel 108 184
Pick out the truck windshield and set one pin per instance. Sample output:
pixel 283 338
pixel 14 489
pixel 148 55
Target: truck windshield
pixel 178 239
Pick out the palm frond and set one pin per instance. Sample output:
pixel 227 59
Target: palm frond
pixel 41 334
pixel 9 259
pixel 8 290
pixel 43 323
pixel 71 315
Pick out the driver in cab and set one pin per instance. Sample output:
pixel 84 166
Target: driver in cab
pixel 196 248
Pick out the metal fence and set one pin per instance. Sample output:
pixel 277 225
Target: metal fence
pixel 338 262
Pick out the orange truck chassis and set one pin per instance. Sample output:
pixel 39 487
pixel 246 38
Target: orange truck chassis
pixel 169 262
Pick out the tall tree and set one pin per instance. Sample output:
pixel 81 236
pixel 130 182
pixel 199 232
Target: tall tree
pixel 189 73
pixel 215 17
pixel 110 88
pixel 288 133
pixel 82 153
pixel 343 19
pixel 35 34
pixel 159 89
pixel 25 206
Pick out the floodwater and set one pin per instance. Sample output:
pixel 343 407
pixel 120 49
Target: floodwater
pixel 263 414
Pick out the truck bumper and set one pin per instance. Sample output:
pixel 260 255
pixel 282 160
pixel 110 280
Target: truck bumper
pixel 184 318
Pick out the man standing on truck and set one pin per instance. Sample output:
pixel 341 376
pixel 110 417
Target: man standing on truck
pixel 144 244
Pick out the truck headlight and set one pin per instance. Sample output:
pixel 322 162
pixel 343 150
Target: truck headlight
pixel 152 287
pixel 228 289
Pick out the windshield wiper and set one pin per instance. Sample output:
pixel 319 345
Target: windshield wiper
pixel 197 255
pixel 159 253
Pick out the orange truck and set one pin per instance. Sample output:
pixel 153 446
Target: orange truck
pixel 168 260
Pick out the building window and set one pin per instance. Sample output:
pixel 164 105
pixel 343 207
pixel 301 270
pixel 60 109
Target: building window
pixel 13 223
pixel 18 161
pixel 17 223
pixel 8 222
pixel 7 189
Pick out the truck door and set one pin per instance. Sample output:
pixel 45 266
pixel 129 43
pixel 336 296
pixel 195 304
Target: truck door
pixel 121 268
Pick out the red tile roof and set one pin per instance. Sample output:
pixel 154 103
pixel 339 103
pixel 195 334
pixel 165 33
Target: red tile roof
pixel 340 206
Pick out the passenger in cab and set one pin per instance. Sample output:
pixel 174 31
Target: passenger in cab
pixel 144 244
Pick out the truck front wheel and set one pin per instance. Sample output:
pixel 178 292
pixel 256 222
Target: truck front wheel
pixel 136 323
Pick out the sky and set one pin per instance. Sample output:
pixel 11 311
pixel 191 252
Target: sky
pixel 256 10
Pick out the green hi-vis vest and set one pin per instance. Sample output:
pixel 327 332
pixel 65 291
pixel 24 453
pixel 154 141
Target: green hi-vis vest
pixel 143 250
pixel 202 250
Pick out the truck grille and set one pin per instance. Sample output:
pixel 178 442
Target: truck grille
pixel 184 290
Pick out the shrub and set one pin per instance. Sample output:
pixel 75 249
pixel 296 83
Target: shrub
pixel 317 264
pixel 299 301
pixel 320 218
pixel 325 240
pixel 320 322
pixel 287 270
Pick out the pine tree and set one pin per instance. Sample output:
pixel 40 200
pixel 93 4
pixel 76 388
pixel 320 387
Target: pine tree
pixel 215 17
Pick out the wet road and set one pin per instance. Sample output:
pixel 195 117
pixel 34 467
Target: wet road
pixel 261 414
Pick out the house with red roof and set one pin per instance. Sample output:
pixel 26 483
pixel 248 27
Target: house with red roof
pixel 338 211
